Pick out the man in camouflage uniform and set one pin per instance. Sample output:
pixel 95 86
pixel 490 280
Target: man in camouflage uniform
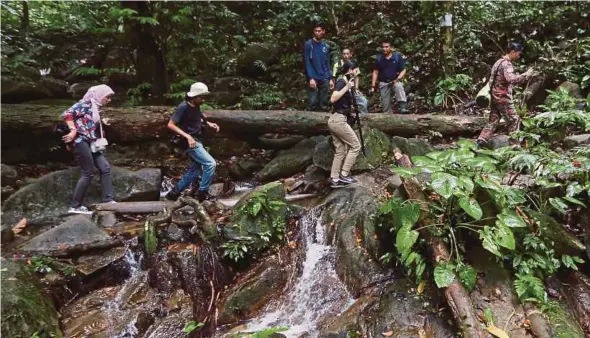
pixel 502 80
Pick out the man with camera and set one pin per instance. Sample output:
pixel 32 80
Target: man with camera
pixel 187 121
pixel 346 143
pixel 316 55
pixel 389 69
pixel 360 98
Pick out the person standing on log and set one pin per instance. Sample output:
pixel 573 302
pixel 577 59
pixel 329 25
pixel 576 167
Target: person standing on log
pixel 316 55
pixel 502 79
pixel 346 143
pixel 389 69
pixel 84 122
pixel 187 121
pixel 360 98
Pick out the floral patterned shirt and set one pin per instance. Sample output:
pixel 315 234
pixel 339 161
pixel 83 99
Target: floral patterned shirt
pixel 81 114
pixel 505 79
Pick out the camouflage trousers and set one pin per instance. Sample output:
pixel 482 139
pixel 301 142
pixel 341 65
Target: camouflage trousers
pixel 500 107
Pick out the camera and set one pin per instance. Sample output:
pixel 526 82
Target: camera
pixel 350 76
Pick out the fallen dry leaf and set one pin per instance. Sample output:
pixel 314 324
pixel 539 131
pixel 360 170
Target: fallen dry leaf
pixel 20 226
pixel 421 287
pixel 62 246
pixel 387 334
pixel 498 332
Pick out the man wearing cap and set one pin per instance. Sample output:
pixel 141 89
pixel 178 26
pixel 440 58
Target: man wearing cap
pixel 187 121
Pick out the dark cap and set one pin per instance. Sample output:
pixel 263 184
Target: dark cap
pixel 348 65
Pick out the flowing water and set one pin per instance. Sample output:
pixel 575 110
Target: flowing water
pixel 317 295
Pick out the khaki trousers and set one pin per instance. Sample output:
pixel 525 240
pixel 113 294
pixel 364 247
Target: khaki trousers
pixel 346 144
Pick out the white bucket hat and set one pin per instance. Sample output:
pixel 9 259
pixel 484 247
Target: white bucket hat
pixel 197 89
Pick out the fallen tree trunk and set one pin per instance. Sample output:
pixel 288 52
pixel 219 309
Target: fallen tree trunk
pixel 21 122
pixel 135 207
pixel 78 249
pixel 457 297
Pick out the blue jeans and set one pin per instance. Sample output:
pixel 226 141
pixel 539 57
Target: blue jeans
pixel 200 162
pixel 318 99
pixel 362 103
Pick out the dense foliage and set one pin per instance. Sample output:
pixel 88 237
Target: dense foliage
pixel 250 52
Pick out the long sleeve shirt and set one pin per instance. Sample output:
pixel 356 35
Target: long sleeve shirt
pixel 505 79
pixel 316 55
pixel 81 114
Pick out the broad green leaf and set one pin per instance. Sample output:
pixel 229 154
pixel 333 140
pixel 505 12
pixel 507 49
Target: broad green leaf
pixel 488 242
pixel 435 155
pixel 487 183
pixel 488 316
pixel 256 208
pixel 466 183
pixel 422 160
pixel 467 276
pixel 405 238
pixel 463 143
pixel 409 214
pixel 471 207
pixel 485 163
pixel 558 204
pixel 543 182
pixel 568 261
pixel 420 269
pixel 444 275
pixel 511 219
pixel 405 172
pixel 514 196
pixel 191 326
pixel 504 237
pixel 431 168
pixel 444 184
pixel 573 189
pixel 574 201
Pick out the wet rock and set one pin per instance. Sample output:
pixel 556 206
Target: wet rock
pixel 394 185
pixel 377 146
pixel 89 264
pixel 77 230
pixel 565 242
pixel 411 146
pixel 7 235
pixel 244 225
pixel 253 291
pixel 289 162
pixel 174 232
pixel 6 192
pixel 48 198
pixel 17 90
pixel 8 175
pixel 578 296
pixel 227 147
pixel 25 309
pixel 348 220
pixel 169 326
pixel 348 322
pixel 574 141
pixel 572 88
pixel 244 168
pixel 106 219
pixel 497 142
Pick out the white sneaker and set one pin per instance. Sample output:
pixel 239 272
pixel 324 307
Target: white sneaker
pixel 80 210
pixel 111 202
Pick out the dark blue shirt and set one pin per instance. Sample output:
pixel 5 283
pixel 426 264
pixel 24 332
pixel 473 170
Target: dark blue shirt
pixel 389 69
pixel 189 119
pixel 317 60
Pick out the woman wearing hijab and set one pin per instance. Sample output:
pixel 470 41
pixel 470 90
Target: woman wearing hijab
pixel 83 120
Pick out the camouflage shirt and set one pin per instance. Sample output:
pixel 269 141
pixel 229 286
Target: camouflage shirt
pixel 505 79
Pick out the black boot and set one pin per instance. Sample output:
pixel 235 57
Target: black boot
pixel 172 195
pixel 204 196
pixel 402 107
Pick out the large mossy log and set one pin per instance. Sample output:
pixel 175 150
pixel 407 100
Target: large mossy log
pixel 21 121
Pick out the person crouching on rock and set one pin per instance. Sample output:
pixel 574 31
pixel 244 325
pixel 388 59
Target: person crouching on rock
pixel 84 139
pixel 187 122
pixel 346 143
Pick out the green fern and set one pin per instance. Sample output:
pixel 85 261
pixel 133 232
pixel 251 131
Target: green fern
pixel 530 289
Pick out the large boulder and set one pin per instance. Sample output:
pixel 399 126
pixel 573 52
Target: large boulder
pixel 227 147
pixel 9 175
pixel 291 161
pixel 572 88
pixel 411 146
pixel 49 197
pixel 254 290
pixel 25 309
pixel 243 225
pixel 21 89
pixel 255 60
pixel 377 146
pixel 78 230
pixel 569 142
pixel 348 218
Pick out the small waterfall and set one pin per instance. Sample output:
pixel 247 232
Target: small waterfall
pixel 121 322
pixel 317 295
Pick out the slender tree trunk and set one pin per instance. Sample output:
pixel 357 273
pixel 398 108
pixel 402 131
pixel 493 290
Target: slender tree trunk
pixel 149 59
pixel 25 18
pixel 446 31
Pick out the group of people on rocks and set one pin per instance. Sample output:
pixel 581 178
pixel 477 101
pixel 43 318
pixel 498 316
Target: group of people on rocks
pixel 334 85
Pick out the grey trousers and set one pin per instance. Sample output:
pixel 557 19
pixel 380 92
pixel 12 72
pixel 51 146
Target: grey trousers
pixel 385 89
pixel 87 161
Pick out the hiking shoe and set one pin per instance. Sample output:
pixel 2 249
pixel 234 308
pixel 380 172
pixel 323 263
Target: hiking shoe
pixel 402 107
pixel 480 143
pixel 172 195
pixel 204 196
pixel 334 184
pixel 347 179
pixel 79 210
